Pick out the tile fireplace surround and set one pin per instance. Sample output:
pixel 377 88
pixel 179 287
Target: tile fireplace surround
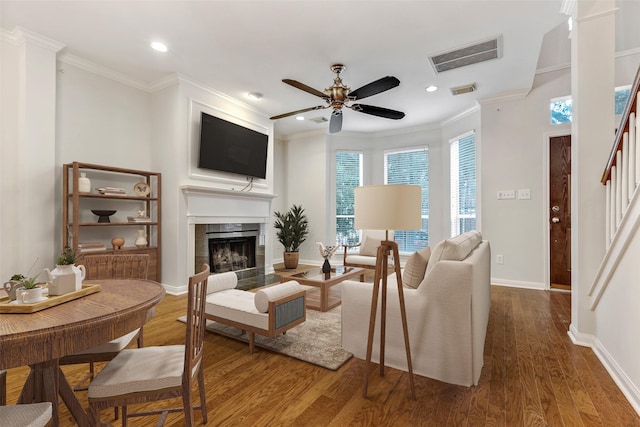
pixel 212 209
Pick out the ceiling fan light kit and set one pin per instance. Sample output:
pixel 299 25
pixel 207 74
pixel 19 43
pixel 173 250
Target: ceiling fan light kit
pixel 339 95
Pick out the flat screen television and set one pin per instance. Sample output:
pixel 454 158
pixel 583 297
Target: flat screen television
pixel 228 147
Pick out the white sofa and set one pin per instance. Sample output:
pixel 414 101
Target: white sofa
pixel 447 314
pixel 270 311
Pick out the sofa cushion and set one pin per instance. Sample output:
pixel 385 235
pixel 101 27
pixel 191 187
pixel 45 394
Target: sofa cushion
pixel 264 295
pixel 415 268
pixel 454 249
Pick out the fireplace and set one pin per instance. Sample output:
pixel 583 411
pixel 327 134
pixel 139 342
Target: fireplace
pixel 231 254
pixel 230 247
pixel 216 210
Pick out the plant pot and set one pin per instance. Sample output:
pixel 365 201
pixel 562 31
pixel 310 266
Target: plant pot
pixel 291 260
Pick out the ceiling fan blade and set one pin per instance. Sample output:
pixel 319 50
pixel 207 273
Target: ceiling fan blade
pixel 378 111
pixel 305 88
pixel 335 125
pixel 374 88
pixel 293 113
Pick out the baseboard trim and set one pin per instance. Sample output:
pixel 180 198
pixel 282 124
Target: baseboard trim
pixel 518 284
pixel 621 379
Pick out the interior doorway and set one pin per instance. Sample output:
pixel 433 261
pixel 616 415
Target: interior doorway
pixel 560 212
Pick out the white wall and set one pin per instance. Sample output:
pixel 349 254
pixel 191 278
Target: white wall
pixel 27 178
pixel 306 185
pixel 512 155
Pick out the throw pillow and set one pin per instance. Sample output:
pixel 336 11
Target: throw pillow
pixel 369 246
pixel 414 269
pixel 454 249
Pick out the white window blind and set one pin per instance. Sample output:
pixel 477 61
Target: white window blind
pixel 410 167
pixel 348 177
pixel 463 183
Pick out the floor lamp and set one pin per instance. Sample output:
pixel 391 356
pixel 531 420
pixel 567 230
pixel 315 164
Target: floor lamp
pixel 387 207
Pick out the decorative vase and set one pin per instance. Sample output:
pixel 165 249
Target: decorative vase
pixel 141 239
pixel 65 278
pixel 326 267
pixel 117 243
pixel 291 259
pixel 84 183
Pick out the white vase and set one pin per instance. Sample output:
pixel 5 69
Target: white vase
pixel 84 183
pixel 141 239
pixel 65 278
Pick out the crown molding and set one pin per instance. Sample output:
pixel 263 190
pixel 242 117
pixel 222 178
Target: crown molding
pixel 94 68
pixel 21 36
pixel 461 115
pixel 509 96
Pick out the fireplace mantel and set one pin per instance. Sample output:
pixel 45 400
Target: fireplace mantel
pixel 197 189
pixel 208 205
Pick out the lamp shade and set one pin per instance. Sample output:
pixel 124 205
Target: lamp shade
pixel 388 207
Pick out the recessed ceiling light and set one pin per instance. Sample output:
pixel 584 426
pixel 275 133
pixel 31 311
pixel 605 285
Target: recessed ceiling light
pixel 159 46
pixel 300 118
pixel 255 95
pixel 431 88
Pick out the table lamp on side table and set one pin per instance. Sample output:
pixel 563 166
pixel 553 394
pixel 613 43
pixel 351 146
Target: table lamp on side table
pixel 387 207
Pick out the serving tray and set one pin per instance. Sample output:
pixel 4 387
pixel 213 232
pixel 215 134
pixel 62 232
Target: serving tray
pixel 51 301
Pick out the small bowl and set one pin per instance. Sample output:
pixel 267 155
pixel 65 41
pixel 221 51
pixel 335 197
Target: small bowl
pixel 103 215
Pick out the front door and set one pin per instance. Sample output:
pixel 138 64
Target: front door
pixel 560 212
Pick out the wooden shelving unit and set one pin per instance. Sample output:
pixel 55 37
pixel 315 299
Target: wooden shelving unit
pixel 80 225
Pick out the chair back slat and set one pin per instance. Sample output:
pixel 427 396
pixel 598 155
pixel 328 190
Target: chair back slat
pixel 196 322
pixel 112 266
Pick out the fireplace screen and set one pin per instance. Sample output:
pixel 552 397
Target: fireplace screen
pixel 236 253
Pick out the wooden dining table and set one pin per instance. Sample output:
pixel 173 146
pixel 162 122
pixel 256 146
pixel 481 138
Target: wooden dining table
pixel 41 338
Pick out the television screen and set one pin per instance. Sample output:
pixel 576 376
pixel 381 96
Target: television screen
pixel 228 147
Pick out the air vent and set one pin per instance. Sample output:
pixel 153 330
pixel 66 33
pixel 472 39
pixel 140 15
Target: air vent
pixel 320 119
pixel 467 55
pixel 464 89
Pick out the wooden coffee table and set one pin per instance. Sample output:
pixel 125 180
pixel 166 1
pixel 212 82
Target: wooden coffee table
pixel 324 298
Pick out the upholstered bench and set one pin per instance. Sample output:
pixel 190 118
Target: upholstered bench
pixel 270 311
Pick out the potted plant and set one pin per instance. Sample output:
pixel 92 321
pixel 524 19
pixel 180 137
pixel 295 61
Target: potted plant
pixel 292 229
pixel 66 277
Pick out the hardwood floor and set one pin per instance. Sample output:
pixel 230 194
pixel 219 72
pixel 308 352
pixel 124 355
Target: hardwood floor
pixel 532 375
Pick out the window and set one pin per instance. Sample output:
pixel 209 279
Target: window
pixel 463 183
pixel 348 177
pixel 410 167
pixel 561 111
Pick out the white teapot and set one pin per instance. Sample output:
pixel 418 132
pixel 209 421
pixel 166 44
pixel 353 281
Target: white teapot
pixel 65 278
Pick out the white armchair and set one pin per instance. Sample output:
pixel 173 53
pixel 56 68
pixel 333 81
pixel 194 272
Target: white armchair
pixel 365 256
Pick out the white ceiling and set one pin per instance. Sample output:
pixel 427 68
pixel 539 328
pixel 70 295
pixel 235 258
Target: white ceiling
pixel 236 47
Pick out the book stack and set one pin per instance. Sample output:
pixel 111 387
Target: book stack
pixel 84 247
pixel 112 191
pixel 141 219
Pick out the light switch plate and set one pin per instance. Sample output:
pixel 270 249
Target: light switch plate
pixel 524 194
pixel 506 194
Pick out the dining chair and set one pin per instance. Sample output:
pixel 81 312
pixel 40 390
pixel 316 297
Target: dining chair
pixel 3 388
pixel 27 415
pixel 149 374
pixel 109 266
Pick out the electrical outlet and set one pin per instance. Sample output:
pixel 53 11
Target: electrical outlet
pixel 499 259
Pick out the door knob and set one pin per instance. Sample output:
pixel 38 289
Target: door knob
pixel 555 220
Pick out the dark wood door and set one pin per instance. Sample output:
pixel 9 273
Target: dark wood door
pixel 560 212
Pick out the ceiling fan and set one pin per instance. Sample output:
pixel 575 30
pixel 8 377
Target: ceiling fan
pixel 338 96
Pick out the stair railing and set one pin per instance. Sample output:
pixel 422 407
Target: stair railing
pixel 622 173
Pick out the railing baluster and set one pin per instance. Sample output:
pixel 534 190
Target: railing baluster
pixel 624 172
pixel 607 213
pixel 618 188
pixel 633 146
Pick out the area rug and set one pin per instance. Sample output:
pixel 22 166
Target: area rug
pixel 316 340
